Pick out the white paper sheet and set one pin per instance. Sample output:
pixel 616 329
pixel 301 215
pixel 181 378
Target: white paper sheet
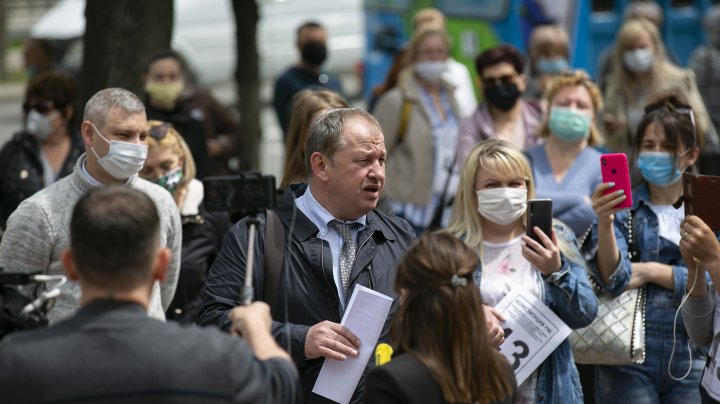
pixel 532 332
pixel 365 317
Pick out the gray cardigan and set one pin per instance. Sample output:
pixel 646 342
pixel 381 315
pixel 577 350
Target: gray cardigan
pixel 698 314
pixel 39 230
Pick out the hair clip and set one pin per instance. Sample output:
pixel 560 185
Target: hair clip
pixel 458 281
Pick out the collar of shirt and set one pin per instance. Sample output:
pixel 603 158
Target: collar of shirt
pixel 320 216
pixel 90 179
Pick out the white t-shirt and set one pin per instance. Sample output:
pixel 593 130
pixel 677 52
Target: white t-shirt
pixel 669 220
pixel 504 268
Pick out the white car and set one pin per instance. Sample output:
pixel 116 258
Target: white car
pixel 204 33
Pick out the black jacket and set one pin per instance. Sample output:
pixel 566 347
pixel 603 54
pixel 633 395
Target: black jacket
pixel 307 293
pixel 191 128
pixel 21 171
pixel 407 380
pixel 112 352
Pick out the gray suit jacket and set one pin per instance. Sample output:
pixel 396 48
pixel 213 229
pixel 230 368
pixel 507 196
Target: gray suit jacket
pixel 112 352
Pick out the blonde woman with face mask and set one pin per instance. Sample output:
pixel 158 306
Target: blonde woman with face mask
pixel 489 216
pixel 170 164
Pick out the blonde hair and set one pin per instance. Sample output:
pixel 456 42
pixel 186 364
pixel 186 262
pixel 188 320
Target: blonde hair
pixel 493 155
pixel 501 157
pixel 306 104
pixel 419 36
pixel 621 78
pixel 429 17
pixel 574 79
pixel 174 142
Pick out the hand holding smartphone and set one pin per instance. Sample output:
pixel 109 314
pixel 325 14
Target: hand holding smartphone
pixel 539 215
pixel 614 168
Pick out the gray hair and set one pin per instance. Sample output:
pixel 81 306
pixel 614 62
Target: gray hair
pixel 711 18
pixel 103 101
pixel 325 133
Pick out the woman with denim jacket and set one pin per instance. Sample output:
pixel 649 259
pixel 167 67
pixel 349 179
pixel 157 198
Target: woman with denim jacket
pixel 667 143
pixel 489 215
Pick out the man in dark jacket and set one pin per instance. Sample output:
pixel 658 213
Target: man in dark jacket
pixel 112 351
pixel 338 240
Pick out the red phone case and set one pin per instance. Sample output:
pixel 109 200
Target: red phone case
pixel 614 168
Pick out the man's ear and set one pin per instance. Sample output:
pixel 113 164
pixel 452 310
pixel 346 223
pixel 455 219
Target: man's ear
pixel 160 264
pixel 319 165
pixel 66 258
pixel 87 132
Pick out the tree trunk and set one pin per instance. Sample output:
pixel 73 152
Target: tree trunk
pixel 248 83
pixel 3 38
pixel 120 35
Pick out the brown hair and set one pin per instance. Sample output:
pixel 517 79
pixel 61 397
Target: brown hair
pixel 672 112
pixel 500 54
pixel 574 79
pixel 306 105
pixel 548 40
pixel 436 275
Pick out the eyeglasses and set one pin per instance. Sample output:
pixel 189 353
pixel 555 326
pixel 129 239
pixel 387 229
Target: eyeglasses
pixel 41 106
pixel 158 129
pixel 504 79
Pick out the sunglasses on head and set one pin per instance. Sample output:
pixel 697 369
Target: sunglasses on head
pixel 158 130
pixel 42 107
pixel 504 79
pixel 683 109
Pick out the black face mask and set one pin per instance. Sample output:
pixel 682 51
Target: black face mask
pixel 314 53
pixel 503 96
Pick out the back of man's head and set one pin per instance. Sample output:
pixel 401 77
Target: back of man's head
pixel 325 134
pixel 97 108
pixel 649 10
pixel 114 235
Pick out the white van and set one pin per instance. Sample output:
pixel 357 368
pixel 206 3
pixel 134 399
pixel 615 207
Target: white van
pixel 204 33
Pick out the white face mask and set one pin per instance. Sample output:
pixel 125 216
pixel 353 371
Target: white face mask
pixel 638 60
pixel 38 125
pixel 431 70
pixel 502 205
pixel 123 159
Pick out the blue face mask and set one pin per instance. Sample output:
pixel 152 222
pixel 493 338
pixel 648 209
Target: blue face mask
pixel 552 65
pixel 569 124
pixel 658 168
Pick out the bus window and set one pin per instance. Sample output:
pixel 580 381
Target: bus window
pixel 603 6
pixel 681 3
pixel 480 9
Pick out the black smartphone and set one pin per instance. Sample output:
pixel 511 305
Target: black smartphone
pixel 245 192
pixel 539 214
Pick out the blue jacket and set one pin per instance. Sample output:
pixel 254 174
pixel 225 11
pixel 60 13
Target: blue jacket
pixel 661 303
pixel 569 295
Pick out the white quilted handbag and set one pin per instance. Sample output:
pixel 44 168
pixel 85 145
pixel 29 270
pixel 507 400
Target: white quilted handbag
pixel 617 336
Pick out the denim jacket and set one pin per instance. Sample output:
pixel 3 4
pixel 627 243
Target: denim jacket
pixel 661 303
pixel 569 295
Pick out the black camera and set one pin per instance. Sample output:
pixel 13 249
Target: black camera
pixel 19 309
pixel 250 192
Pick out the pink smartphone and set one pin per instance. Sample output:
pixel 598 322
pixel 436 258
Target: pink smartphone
pixel 614 168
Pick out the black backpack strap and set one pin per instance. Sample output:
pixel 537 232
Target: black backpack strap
pixel 274 252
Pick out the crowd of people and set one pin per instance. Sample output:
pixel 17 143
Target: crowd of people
pixel 424 198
